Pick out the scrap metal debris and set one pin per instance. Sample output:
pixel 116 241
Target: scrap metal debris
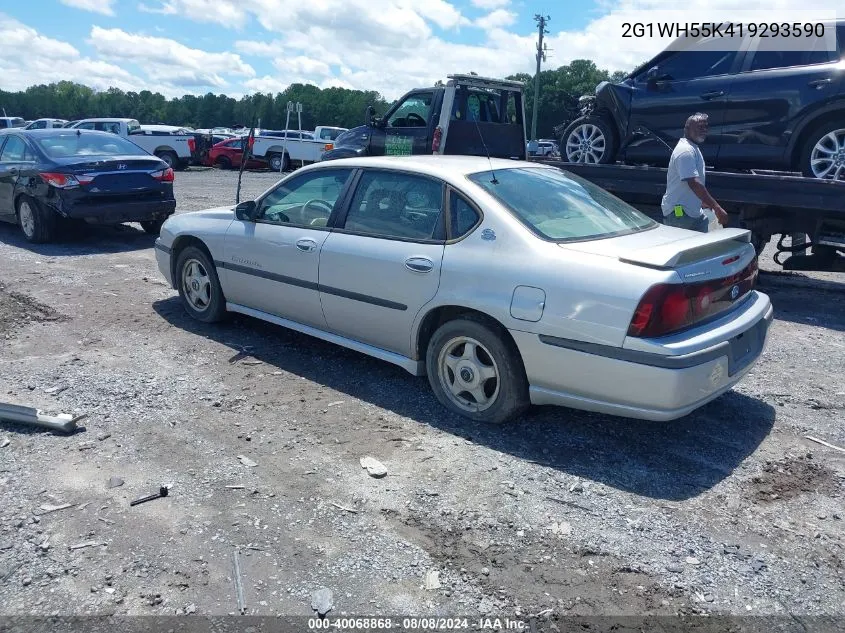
pixel 162 492
pixel 85 544
pixel 823 443
pixel 239 588
pixel 246 461
pixel 46 509
pixel 432 580
pixel 30 415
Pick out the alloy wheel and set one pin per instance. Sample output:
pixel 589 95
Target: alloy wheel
pixel 196 284
pixel 586 144
pixel 827 160
pixel 469 374
pixel 27 218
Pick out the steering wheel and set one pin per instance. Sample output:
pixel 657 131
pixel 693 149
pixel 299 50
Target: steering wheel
pixel 318 203
pixel 413 116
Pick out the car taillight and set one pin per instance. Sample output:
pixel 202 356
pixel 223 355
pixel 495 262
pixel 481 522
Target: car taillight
pixel 328 147
pixel 60 181
pixel 435 141
pixel 192 145
pixel 667 308
pixel 164 175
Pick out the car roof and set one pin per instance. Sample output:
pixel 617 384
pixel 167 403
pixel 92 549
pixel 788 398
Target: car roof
pixel 445 167
pixel 54 131
pixel 104 120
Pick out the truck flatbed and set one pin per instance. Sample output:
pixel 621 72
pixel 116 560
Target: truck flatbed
pixel 767 203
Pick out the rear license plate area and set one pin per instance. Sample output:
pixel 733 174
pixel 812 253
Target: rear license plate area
pixel 745 347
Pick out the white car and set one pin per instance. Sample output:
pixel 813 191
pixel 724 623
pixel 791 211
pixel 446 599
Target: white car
pixel 505 282
pixel 42 124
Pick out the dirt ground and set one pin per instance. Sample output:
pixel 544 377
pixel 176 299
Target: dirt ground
pixel 728 511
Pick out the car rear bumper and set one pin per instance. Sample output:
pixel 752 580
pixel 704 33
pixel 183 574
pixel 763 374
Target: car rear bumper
pixel 117 212
pixel 642 385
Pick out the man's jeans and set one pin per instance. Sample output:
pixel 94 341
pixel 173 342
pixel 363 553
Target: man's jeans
pixel 700 223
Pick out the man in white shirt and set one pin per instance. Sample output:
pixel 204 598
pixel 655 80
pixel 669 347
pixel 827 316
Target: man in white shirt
pixel 686 196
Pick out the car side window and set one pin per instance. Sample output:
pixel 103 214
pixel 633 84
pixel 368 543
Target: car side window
pixel 114 128
pixel 85 126
pixel 413 112
pixel 764 60
pixel 396 205
pixel 694 63
pixel 463 217
pixel 306 200
pixel 14 151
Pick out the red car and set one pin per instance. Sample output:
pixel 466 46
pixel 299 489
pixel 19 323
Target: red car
pixel 229 153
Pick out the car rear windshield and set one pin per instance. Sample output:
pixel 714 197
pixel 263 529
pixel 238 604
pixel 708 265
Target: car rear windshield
pixel 86 144
pixel 560 206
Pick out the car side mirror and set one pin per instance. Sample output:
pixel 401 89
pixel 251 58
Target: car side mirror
pixel 245 210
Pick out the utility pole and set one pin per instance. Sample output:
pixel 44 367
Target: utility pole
pixel 541 56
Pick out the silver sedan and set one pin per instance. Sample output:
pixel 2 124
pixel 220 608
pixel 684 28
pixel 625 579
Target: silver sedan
pixel 507 283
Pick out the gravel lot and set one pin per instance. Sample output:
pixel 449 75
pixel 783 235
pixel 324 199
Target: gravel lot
pixel 728 511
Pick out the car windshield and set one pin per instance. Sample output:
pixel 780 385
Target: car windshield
pixel 86 144
pixel 560 206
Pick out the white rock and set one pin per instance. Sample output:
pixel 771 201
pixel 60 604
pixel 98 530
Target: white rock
pixel 374 467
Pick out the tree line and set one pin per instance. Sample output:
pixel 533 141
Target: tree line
pixel 559 92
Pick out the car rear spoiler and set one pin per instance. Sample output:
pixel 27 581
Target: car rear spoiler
pixel 686 250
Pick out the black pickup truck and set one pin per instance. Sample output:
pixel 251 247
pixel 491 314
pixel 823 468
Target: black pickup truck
pixel 469 115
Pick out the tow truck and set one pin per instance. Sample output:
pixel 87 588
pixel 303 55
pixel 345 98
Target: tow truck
pixel 767 203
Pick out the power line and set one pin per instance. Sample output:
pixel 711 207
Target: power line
pixel 541 57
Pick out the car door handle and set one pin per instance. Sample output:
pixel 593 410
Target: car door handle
pixel 419 264
pixel 712 94
pixel 819 83
pixel 306 245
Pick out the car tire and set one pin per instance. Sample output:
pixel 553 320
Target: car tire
pixel 223 162
pixel 37 223
pixel 170 158
pixel 454 371
pixel 279 162
pixel 589 139
pixel 820 145
pixel 204 299
pixel 152 227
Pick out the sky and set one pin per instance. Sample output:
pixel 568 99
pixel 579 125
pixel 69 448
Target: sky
pixel 239 47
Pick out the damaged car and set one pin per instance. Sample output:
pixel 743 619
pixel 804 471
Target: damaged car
pixel 768 109
pixel 52 177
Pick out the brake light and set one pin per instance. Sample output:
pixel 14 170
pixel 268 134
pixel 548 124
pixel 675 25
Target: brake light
pixel 328 146
pixel 192 145
pixel 164 175
pixel 60 181
pixel 435 141
pixel 667 308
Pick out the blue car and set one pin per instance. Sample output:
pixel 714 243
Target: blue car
pixel 51 176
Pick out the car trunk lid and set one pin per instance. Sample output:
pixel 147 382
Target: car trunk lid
pixel 674 249
pixel 116 175
pixel 716 271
